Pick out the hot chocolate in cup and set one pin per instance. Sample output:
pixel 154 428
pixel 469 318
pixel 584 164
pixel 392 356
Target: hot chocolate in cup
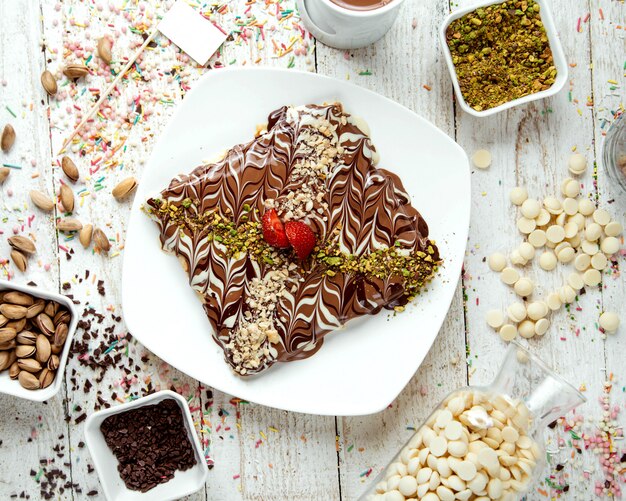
pixel 348 24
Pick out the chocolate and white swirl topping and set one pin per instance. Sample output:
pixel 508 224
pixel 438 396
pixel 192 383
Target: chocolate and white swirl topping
pixel 314 164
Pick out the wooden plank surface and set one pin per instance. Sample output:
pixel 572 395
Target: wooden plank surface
pixel 260 453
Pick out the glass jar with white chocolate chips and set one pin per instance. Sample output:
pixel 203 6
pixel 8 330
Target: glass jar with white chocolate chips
pixel 481 443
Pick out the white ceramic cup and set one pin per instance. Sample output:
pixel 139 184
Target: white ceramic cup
pixel 344 28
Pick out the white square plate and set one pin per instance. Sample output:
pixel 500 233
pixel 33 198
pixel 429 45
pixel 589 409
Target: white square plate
pixel 359 370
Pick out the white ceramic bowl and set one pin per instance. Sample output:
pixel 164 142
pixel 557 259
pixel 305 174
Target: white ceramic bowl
pixel 555 45
pixel 13 387
pixel 183 483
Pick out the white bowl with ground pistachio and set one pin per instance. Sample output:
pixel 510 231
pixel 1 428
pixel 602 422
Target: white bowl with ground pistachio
pixel 503 54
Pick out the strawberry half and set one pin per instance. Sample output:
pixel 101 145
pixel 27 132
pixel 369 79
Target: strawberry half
pixel 301 238
pixel 273 230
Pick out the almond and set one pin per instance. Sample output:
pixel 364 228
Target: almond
pixel 85 235
pixel 28 380
pixel 104 50
pixel 49 83
pixel 70 169
pixel 124 188
pixel 8 138
pixel 67 198
pixel 100 240
pixel 4 173
pixel 22 244
pixel 69 224
pixel 74 71
pixel 41 200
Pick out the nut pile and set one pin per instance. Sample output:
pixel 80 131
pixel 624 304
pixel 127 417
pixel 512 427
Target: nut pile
pixel 569 230
pixel 32 335
pixel 476 446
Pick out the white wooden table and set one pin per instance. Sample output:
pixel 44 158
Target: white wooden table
pixel 261 453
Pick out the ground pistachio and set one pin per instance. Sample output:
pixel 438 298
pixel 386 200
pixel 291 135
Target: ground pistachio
pixel 501 53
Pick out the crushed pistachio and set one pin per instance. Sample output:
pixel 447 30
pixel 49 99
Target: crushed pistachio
pixel 501 53
pixel 414 269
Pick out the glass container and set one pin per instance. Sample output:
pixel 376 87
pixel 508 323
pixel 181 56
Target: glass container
pixel 482 442
pixel 614 152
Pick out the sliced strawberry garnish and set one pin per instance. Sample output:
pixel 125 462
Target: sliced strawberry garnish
pixel 301 238
pixel 273 230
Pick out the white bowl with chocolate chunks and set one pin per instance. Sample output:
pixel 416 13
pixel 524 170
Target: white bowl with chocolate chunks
pixel 36 330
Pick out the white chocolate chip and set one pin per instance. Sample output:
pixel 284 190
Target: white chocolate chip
pixel 577 164
pixel 613 229
pixel 609 321
pixel 575 281
pixel 438 446
pixel 481 159
pixel 571 188
pixel 570 206
pixel 537 238
pixel 517 259
pixel 593 232
pixel 518 195
pixel 571 230
pixel 537 310
pixel 552 205
pixel 610 245
pixel 547 261
pixel 495 318
pixel 541 326
pixel 599 261
pixel 516 312
pixel 555 234
pixel 592 277
pixel 601 217
pixel 496 261
pixel 530 208
pixel 586 207
pixel 590 248
pixel 526 329
pixel 524 287
pixel 408 486
pixel 566 255
pixel 554 301
pixel 567 294
pixel 509 275
pixel 526 225
pixel 543 218
pixel 508 332
pixel 582 262
pixel 526 250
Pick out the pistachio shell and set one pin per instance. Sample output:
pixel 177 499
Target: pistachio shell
pixel 8 138
pixel 124 188
pixel 49 83
pixel 22 244
pixel 28 380
pixel 69 168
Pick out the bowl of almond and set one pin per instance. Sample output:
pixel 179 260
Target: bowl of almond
pixel 36 330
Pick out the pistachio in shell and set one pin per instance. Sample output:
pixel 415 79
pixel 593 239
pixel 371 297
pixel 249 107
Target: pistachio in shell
pixel 22 244
pixel 17 297
pixel 44 349
pixel 67 198
pixel 8 138
pixel 4 173
pixel 84 235
pixel 14 370
pixel 104 50
pixel 13 311
pixel 7 334
pixel 100 240
pixel 29 364
pixel 49 83
pixel 46 376
pixel 41 200
pixel 25 350
pixel 69 224
pixel 73 71
pixel 28 380
pixel 70 169
pixel 124 188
